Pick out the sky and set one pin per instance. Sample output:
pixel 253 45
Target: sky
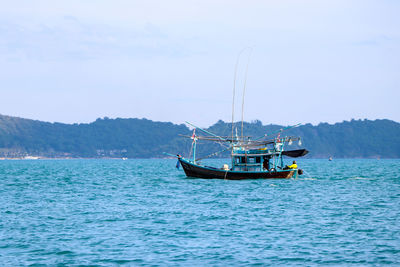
pixel 307 61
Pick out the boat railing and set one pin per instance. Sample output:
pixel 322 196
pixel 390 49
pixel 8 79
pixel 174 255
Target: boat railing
pixel 255 155
pixel 247 164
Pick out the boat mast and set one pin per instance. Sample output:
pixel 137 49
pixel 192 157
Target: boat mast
pixel 194 150
pixel 194 145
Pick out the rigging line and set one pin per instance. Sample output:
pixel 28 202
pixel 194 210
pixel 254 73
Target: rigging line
pixel 244 87
pixel 213 154
pixel 280 130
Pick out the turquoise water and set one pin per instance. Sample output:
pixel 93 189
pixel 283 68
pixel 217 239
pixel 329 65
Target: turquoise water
pixel 145 212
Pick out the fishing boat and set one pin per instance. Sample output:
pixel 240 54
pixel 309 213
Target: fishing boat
pixel 250 159
pixel 260 158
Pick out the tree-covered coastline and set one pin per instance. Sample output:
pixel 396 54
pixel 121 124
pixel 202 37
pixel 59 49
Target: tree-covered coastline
pixel 142 138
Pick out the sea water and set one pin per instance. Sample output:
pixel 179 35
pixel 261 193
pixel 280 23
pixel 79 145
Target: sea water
pixel 146 212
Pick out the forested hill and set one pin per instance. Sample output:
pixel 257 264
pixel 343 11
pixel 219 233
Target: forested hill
pixel 348 139
pixel 142 138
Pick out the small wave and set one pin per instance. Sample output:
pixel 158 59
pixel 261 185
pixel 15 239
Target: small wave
pixel 359 178
pixel 64 252
pixel 120 261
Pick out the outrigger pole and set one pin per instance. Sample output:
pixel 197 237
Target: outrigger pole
pixel 171 155
pixel 210 133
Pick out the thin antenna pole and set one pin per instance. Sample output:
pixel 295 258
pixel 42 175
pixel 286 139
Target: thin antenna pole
pixel 244 89
pixel 234 88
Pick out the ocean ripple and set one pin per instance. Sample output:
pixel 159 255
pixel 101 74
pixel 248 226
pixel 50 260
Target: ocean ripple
pixel 145 212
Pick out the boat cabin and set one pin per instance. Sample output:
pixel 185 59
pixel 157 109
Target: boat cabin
pixel 254 160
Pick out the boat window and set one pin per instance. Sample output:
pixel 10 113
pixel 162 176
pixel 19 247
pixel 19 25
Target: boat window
pixel 242 159
pixel 258 159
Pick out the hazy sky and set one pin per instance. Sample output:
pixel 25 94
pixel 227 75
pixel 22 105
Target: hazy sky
pixel 311 61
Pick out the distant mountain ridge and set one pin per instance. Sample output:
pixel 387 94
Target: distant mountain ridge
pixel 142 138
